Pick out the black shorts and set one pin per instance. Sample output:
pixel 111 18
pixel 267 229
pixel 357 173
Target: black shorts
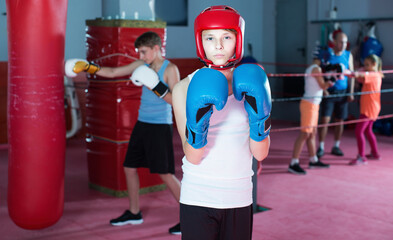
pixel 151 147
pixel 211 223
pixel 338 105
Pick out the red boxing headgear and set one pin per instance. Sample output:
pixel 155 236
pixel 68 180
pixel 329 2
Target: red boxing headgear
pixel 219 17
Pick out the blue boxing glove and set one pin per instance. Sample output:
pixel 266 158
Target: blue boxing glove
pixel 208 87
pixel 251 81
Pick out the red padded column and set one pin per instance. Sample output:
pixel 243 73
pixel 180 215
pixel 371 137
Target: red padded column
pixel 36 122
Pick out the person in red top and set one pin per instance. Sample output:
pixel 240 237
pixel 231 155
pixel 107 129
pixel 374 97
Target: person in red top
pixel 370 106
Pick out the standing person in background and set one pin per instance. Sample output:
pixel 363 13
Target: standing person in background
pixel 309 111
pixel 370 106
pixel 223 118
pixel 337 105
pixel 150 143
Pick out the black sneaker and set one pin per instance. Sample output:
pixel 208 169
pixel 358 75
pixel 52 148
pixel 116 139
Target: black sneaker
pixel 318 164
pixel 296 169
pixel 127 218
pixel 337 151
pixel 320 152
pixel 175 229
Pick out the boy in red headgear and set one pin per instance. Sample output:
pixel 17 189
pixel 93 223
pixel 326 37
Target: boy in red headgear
pixel 220 130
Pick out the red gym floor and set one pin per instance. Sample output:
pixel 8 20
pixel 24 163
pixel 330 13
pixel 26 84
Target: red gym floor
pixel 343 202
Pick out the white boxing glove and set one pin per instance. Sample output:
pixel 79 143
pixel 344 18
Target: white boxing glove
pixel 143 75
pixel 74 66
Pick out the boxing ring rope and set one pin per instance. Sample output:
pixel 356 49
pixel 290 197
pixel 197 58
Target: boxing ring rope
pixel 330 124
pixel 332 95
pixel 284 64
pixel 302 65
pixel 319 74
pixel 275 100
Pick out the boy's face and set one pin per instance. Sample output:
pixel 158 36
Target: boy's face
pixel 148 54
pixel 340 42
pixel 219 45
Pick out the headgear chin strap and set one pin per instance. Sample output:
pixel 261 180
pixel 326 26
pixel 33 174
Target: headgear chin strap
pixel 219 17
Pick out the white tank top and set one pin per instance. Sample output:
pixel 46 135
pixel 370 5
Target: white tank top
pixel 223 178
pixel 312 91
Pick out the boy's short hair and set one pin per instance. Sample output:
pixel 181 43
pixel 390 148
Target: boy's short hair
pixel 231 30
pixel 148 39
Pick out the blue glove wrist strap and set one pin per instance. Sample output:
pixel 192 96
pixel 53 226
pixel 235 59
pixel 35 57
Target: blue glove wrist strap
pixel 196 139
pixel 260 129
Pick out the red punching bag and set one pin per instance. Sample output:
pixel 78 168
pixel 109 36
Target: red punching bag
pixel 36 122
